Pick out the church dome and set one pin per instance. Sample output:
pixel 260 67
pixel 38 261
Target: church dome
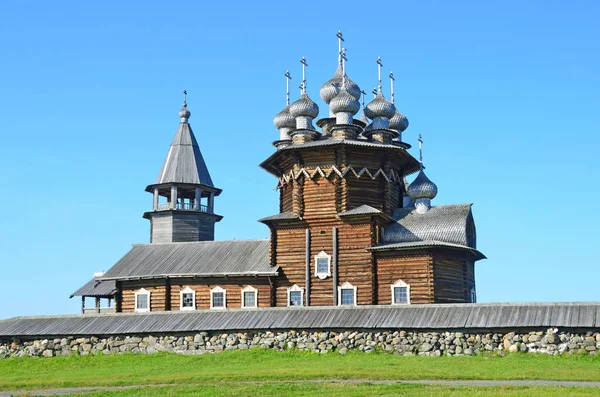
pixel 344 102
pixel 422 187
pixel 331 88
pixel 284 119
pixel 380 107
pixel 184 113
pixel 304 106
pixel 398 122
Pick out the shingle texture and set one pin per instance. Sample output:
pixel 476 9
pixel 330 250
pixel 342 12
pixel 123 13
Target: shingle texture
pixel 97 288
pixel 283 216
pixel 424 244
pixel 442 223
pixel 205 258
pixel 438 316
pixel 361 210
pixel 184 162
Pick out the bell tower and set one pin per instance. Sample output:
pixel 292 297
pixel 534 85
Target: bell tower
pixel 183 205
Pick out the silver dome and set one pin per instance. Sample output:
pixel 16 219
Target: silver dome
pixel 284 119
pixel 344 102
pixel 380 107
pixel 304 106
pixel 184 113
pixel 331 88
pixel 422 187
pixel 399 122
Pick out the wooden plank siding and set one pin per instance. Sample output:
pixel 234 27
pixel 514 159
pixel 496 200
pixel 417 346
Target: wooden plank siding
pixel 454 278
pixel 202 288
pixel 414 269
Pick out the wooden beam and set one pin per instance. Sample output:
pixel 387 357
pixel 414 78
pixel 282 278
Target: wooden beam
pixel 307 282
pixel 334 270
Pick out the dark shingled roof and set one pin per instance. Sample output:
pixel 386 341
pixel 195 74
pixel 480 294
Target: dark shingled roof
pixel 184 162
pixel 204 258
pixel 284 216
pixel 362 210
pixel 491 316
pixel 97 288
pixel 442 223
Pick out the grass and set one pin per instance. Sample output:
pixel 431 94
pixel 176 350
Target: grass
pixel 350 390
pixel 271 367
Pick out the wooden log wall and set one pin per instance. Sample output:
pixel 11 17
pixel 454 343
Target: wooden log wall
pixel 290 256
pixel 454 277
pixel 158 298
pixel 414 269
pixel 157 289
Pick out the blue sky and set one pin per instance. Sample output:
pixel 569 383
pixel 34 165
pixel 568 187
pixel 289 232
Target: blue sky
pixel 506 95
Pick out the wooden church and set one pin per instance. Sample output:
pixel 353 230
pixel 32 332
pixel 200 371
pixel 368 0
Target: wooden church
pixel 349 230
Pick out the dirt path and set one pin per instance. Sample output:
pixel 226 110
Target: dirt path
pixel 85 390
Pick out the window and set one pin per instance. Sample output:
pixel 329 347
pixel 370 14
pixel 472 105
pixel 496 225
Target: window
pixel 187 298
pixel 473 295
pixel 322 265
pixel 218 298
pixel 249 297
pixel 142 300
pixel 347 295
pixel 295 296
pixel 400 293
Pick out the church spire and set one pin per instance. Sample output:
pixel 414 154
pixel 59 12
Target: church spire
pixel 183 206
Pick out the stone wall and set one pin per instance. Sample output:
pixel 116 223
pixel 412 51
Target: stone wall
pixel 551 341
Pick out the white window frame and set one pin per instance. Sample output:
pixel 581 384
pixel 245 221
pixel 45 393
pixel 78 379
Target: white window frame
pixel 187 290
pixel 250 288
pixel 347 285
pixel 473 295
pixel 222 290
pixel 139 292
pixel 295 288
pixel 400 284
pixel 321 275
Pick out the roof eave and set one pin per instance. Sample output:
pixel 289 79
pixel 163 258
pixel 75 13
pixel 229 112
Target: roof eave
pixel 193 275
pixel 391 247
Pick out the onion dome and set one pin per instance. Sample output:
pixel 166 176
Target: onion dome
pixel 184 113
pixel 304 107
pixel 344 102
pixel 380 107
pixel 398 122
pixel 422 188
pixel 284 119
pixel 331 88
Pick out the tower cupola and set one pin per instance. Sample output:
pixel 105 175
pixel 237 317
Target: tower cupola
pixel 332 87
pixel 398 122
pixel 284 121
pixel 183 205
pixel 304 110
pixel 422 190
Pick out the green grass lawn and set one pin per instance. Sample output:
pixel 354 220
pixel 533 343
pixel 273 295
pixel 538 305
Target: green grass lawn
pixel 345 390
pixel 222 373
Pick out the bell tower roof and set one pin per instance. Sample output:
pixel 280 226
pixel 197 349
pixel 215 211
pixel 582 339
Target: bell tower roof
pixel 184 163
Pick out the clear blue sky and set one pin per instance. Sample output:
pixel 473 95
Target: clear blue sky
pixel 505 93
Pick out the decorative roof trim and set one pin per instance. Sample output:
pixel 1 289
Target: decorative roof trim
pixel 326 172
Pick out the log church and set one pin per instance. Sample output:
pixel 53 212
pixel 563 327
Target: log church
pixel 349 230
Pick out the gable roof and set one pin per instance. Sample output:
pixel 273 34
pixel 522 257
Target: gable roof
pixel 203 258
pixel 184 162
pixel 442 223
